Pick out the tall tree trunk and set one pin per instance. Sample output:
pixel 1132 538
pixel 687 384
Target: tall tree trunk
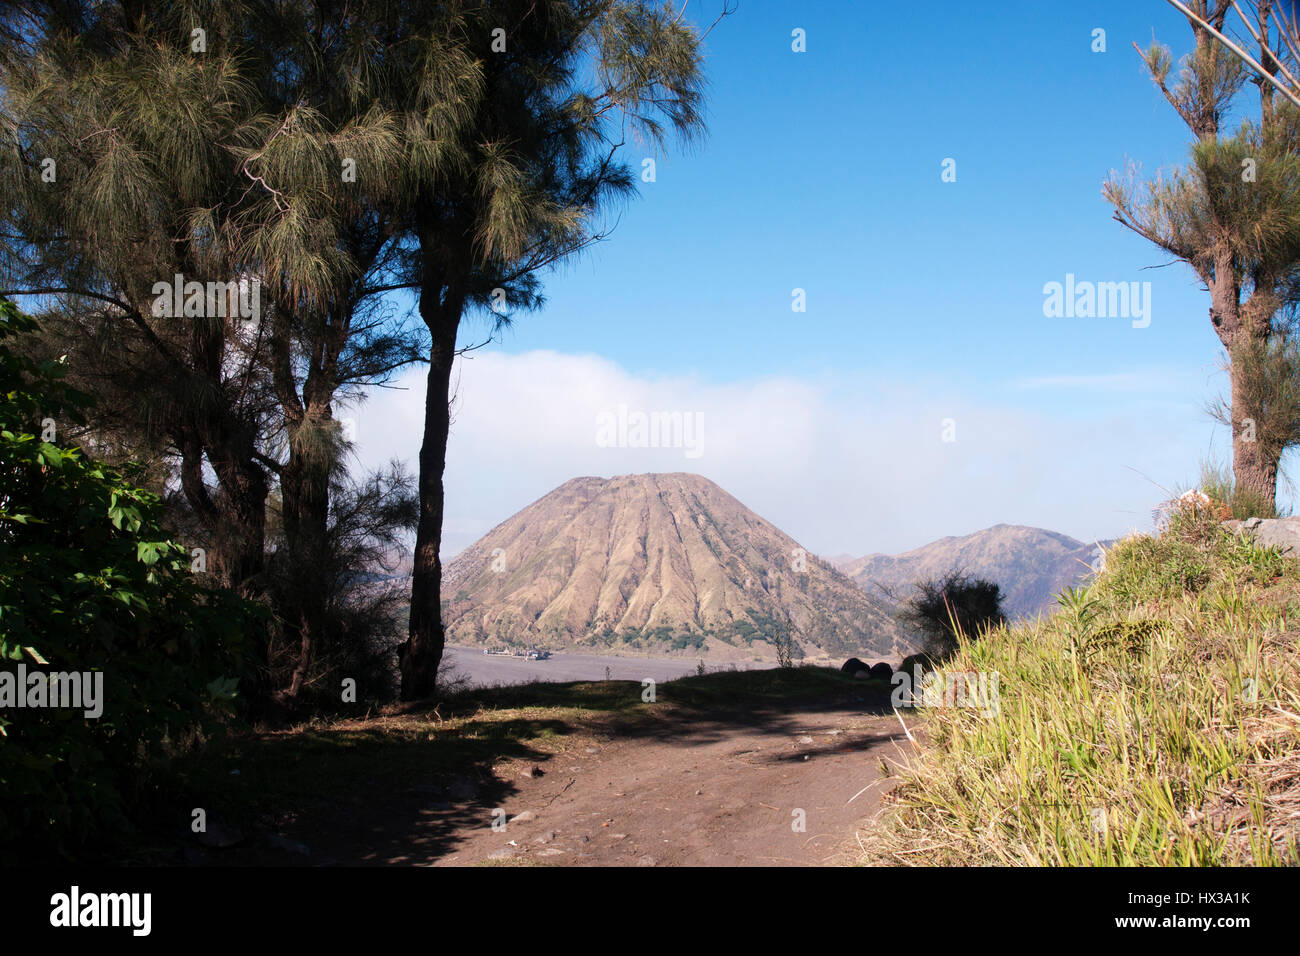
pixel 304 489
pixel 420 656
pixel 241 536
pixel 1243 327
pixel 1254 469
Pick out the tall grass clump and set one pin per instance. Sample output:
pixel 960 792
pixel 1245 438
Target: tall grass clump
pixel 1217 482
pixel 1153 721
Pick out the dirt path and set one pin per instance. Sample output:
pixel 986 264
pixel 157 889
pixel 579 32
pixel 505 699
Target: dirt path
pixel 756 798
pixel 736 769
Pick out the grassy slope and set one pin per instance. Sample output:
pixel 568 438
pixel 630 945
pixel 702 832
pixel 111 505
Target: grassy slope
pixel 1153 721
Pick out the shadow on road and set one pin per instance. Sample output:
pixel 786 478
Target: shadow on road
pixel 404 788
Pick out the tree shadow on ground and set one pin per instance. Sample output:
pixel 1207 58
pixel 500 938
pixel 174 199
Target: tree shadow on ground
pixel 695 711
pixel 403 788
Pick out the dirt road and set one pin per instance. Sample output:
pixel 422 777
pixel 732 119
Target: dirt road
pixel 791 795
pixel 734 769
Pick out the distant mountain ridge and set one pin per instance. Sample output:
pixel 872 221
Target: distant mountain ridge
pixel 658 563
pixel 1031 565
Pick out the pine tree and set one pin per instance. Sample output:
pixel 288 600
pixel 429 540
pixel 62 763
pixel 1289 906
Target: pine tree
pixel 549 93
pixel 219 142
pixel 1233 215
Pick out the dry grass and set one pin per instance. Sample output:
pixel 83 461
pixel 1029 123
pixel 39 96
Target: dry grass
pixel 1153 721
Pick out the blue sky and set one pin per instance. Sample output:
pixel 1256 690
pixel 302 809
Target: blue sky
pixel 822 171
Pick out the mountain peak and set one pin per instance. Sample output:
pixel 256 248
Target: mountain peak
pixel 1031 565
pixel 656 562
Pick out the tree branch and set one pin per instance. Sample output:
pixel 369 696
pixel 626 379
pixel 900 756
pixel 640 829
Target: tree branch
pixel 1236 50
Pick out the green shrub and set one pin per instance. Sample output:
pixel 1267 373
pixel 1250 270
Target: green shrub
pixel 90 583
pixel 946 608
pixel 1192 553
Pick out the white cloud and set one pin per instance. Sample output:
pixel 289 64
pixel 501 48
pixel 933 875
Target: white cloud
pixel 840 466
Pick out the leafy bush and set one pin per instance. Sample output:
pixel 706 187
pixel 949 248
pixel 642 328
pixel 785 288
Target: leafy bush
pixel 954 605
pixel 90 583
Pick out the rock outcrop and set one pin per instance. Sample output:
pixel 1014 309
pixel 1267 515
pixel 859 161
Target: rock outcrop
pixel 1281 533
